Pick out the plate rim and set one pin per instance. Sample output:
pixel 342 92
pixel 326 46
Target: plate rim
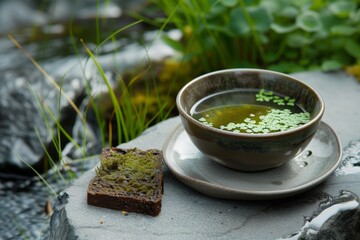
pixel 199 184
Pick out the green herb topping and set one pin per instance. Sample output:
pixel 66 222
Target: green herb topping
pixel 130 172
pixel 268 96
pixel 275 121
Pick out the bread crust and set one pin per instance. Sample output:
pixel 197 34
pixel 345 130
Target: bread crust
pixel 102 193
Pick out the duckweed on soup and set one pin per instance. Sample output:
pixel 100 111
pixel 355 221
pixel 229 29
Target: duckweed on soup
pixel 250 111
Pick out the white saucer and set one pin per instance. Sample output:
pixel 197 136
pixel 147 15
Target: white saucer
pixel 190 166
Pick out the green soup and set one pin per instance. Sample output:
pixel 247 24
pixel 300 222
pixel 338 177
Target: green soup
pixel 250 111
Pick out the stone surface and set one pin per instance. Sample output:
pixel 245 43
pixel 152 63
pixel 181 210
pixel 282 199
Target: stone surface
pixel 191 215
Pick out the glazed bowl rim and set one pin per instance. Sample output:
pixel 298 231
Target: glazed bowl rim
pixel 315 119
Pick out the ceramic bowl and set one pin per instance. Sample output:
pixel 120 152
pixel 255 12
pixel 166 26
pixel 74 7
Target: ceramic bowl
pixel 243 151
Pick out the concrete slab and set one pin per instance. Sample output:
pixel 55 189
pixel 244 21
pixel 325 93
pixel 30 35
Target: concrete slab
pixel 187 214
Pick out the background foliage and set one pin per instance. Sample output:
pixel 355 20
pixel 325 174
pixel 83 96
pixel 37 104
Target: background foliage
pixel 281 35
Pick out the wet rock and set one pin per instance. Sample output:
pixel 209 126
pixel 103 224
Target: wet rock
pixel 337 218
pixel 350 159
pixel 29 106
pixel 56 228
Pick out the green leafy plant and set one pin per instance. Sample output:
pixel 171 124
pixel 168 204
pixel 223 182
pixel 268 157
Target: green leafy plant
pixel 283 35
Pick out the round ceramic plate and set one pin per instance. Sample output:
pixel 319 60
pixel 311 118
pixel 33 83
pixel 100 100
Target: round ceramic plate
pixel 190 166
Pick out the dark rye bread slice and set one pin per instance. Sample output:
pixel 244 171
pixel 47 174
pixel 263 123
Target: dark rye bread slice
pixel 128 180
